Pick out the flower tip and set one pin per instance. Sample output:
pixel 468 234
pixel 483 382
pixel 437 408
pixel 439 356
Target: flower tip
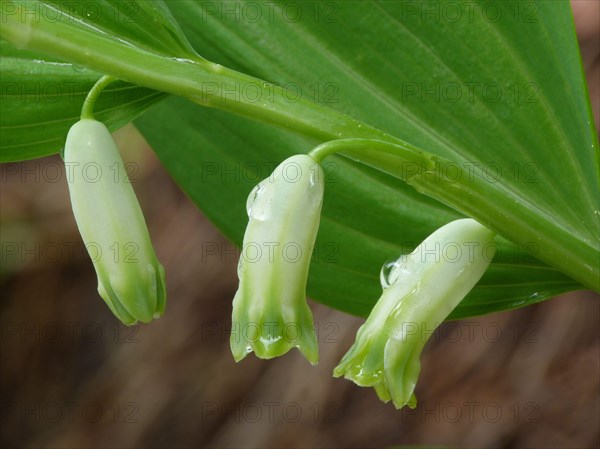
pixel 309 349
pixel 161 289
pixel 266 346
pixel 272 335
pixel 410 403
pixel 113 303
pixel 132 298
pixel 381 383
pixel 240 347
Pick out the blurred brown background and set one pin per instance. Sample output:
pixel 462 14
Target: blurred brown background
pixel 71 377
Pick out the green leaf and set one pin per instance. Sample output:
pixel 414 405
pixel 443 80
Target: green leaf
pixel 537 132
pixel 369 81
pixel 364 59
pixel 42 95
pixel 147 25
pixel 42 98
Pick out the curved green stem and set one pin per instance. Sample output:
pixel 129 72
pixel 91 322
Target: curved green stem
pixel 87 111
pixel 319 153
pixel 469 192
pixel 328 148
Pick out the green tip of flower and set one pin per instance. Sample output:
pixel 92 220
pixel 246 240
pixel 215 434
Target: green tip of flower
pixel 271 335
pixel 402 367
pixel 137 297
pixel 374 361
pixel 419 292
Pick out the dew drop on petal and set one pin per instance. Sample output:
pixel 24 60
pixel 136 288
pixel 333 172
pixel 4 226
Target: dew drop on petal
pixel 256 204
pixel 314 178
pixel 387 275
pixel 394 270
pixel 240 267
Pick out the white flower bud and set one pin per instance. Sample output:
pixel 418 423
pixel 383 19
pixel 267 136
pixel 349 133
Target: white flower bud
pixel 270 312
pixel 130 279
pixel 420 291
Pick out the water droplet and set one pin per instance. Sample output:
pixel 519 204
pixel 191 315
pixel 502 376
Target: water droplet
pixel 268 340
pixel 184 60
pixel 258 202
pixel 387 275
pixel 253 197
pixel 394 270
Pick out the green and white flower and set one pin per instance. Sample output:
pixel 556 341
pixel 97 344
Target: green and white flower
pixel 270 312
pixel 130 279
pixel 419 292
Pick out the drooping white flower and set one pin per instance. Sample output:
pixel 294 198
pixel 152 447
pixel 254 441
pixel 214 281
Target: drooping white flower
pixel 270 312
pixel 130 279
pixel 419 292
